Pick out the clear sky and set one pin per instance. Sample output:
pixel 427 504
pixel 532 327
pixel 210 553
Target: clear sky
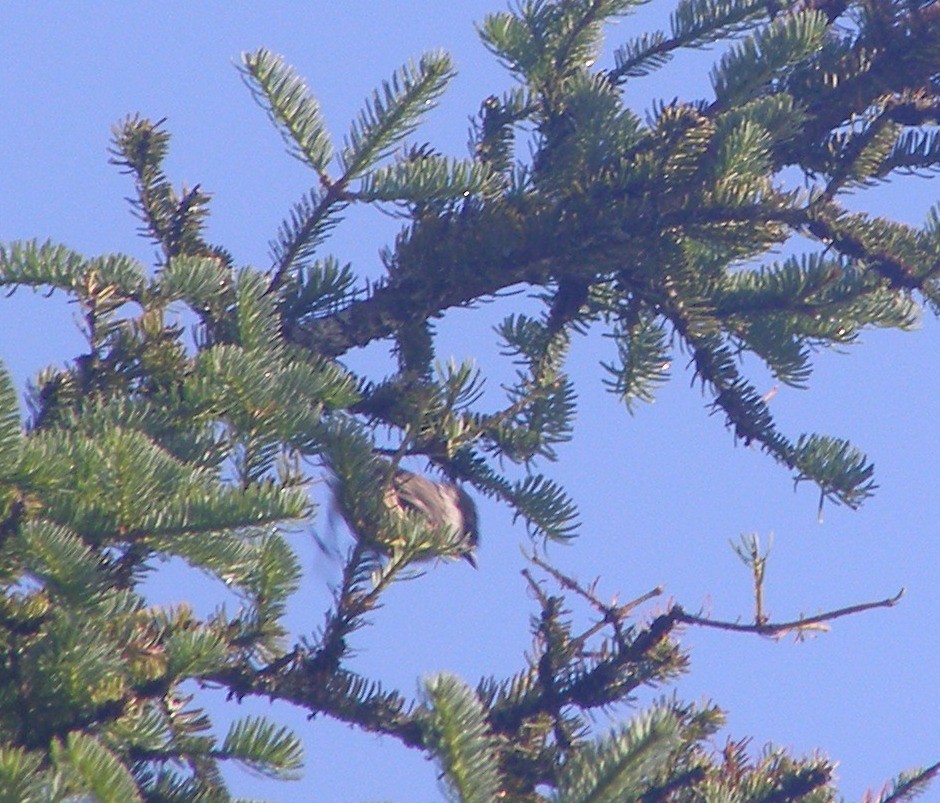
pixel 661 493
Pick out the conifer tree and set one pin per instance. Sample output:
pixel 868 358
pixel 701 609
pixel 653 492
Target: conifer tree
pixel 151 446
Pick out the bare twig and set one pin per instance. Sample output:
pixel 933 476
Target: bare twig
pixel 540 595
pixel 611 614
pixel 749 551
pixel 782 628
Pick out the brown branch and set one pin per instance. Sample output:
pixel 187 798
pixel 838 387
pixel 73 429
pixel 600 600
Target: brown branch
pixel 328 689
pixel 313 677
pixel 600 685
pixel 900 56
pixel 443 263
pixel 611 614
pixel 343 695
pixel 782 628
pixel 899 275
pixel 632 661
pixel 908 788
pixel 458 260
pixel 104 713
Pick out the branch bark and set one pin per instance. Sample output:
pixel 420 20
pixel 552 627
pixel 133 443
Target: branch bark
pixel 783 628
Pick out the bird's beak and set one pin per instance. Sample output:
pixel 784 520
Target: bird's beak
pixel 470 559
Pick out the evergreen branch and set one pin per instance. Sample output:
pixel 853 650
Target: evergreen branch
pixel 317 289
pixel 517 40
pixel 272 575
pixel 546 508
pixel 322 686
pixel 389 116
pixel 674 786
pixel 841 472
pixel 644 360
pixel 263 747
pixel 694 24
pixel 914 151
pixel 538 416
pixel 484 272
pixel 747 412
pixel 350 606
pixel 864 239
pixel 174 222
pixel 803 285
pixel 394 112
pixel 492 131
pixel 297 116
pixel 114 278
pixel 581 31
pixel 21 774
pixel 838 231
pixel 11 429
pixel 542 400
pixel 311 219
pixel 759 58
pixel 336 692
pixel 315 679
pixel 460 740
pixel 778 342
pixel 617 767
pixel 93 717
pixel 68 568
pixel 427 179
pixel 642 55
pixel 638 658
pixel 203 283
pixel 440 266
pixel 863 155
pixel 290 106
pixel 94 768
pixel 876 64
pixel 907 786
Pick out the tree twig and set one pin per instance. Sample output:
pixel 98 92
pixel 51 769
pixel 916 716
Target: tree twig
pixel 612 614
pixel 782 628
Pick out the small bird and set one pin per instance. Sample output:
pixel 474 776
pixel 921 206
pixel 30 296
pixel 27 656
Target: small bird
pixel 406 495
pixel 442 504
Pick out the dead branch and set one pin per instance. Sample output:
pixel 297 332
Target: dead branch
pixel 779 629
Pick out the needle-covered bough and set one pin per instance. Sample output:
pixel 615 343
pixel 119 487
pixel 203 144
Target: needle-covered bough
pixel 158 442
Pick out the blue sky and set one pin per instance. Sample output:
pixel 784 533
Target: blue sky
pixel 661 493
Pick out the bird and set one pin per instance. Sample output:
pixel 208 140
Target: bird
pixel 441 504
pixel 403 499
